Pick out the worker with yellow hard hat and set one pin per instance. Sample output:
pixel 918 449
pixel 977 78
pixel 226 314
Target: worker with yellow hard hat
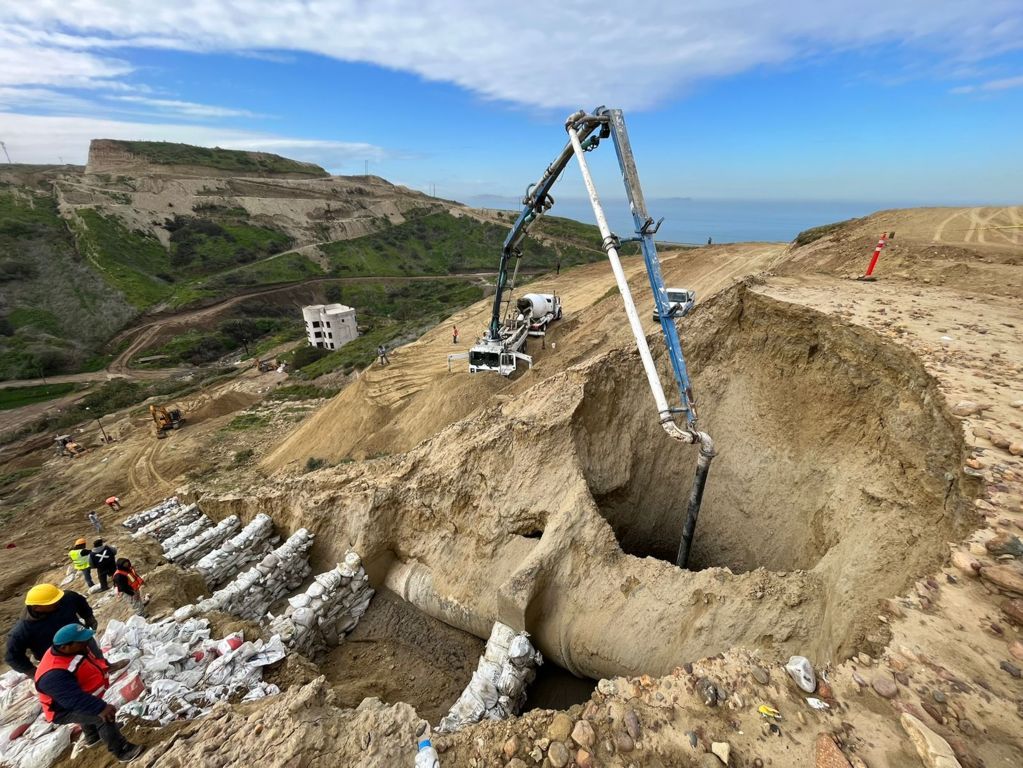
pixel 79 555
pixel 47 609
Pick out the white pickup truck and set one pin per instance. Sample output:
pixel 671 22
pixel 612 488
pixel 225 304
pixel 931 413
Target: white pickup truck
pixel 680 302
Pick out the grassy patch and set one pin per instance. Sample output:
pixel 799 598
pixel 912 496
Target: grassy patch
pixel 231 160
pixel 16 397
pixel 203 246
pixel 41 319
pixel 247 421
pixel 440 243
pixel 243 456
pixel 813 234
pixel 128 260
pixel 302 392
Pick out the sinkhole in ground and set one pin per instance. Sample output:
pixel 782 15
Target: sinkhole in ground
pixel 836 455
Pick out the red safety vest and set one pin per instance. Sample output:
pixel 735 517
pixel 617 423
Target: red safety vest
pixel 134 580
pixel 90 672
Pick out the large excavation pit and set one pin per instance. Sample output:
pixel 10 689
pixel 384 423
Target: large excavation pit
pixel 836 456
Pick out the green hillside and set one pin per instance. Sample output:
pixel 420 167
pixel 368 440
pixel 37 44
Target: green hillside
pixel 55 309
pixel 69 283
pixel 228 160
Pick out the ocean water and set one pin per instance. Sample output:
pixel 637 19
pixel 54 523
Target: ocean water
pixel 688 220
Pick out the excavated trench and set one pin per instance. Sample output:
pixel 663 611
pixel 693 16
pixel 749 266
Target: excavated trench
pixel 836 456
pixel 837 483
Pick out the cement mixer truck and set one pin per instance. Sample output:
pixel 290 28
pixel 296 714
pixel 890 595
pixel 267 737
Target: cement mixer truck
pixel 502 353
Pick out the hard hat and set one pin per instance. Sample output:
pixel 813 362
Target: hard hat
pixel 43 594
pixel 72 633
pixel 79 542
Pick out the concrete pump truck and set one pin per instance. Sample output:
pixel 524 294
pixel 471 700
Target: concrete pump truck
pixel 503 343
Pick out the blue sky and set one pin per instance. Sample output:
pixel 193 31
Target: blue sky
pixel 904 101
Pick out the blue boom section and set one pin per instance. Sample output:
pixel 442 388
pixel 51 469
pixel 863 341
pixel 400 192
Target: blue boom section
pixel 645 229
pixel 535 204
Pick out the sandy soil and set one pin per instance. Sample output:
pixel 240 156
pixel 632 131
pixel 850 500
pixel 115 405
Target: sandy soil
pixel 848 472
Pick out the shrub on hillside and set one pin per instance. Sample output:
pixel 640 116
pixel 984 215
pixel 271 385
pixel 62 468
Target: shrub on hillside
pixel 306 355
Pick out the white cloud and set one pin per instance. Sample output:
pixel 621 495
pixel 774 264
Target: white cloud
pixel 44 138
pixel 1002 84
pixel 565 54
pixel 185 108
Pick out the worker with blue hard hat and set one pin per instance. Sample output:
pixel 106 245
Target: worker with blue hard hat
pixel 71 680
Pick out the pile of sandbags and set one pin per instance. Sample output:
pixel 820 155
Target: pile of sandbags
pixel 177 671
pixel 167 525
pixel 26 739
pixel 186 532
pixel 139 519
pixel 243 549
pixel 498 686
pixel 192 549
pixel 329 609
pixel 254 591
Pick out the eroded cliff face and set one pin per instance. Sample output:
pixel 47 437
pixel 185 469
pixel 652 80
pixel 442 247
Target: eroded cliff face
pixel 556 511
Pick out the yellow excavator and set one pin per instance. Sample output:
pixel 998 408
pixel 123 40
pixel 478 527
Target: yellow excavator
pixel 165 419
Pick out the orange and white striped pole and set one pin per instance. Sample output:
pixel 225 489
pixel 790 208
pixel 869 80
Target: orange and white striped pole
pixel 877 252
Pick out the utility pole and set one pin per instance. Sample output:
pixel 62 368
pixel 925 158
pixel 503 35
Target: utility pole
pixel 4 147
pixel 367 168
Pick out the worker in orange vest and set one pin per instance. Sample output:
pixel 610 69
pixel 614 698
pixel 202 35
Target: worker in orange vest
pixel 71 680
pixel 128 583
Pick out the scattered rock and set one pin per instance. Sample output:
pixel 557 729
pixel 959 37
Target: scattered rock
pixel 707 760
pixel 1006 577
pixel 965 562
pixel 515 763
pixel 864 659
pixel 558 755
pixel 511 747
pixel 938 696
pixel 583 734
pixel 827 754
pixel 801 671
pixel 1004 544
pixel 761 675
pixel 973 463
pixel 1012 669
pixel 933 750
pixel 1016 650
pixel 722 749
pixel 1016 449
pixel 884 685
pixel 824 690
pixel 624 742
pixel 583 759
pixel 969 408
pixel 933 711
pixel 1000 441
pixel 632 723
pixel 560 728
pixel 708 690
pixel 1014 610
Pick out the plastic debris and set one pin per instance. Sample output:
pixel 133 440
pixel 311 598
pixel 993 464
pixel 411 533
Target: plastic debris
pixel 818 704
pixel 498 686
pixel 801 671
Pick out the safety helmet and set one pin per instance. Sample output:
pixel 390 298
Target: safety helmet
pixel 72 633
pixel 43 594
pixel 79 542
